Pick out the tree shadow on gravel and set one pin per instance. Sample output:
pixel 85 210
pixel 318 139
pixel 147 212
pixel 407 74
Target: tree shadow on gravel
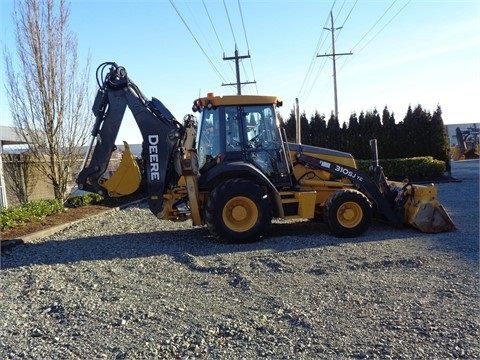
pixel 282 237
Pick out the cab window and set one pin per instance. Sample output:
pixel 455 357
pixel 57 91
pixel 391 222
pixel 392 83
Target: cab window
pixel 233 135
pixel 209 139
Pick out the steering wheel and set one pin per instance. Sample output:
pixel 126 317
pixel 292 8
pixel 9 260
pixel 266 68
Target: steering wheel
pixel 256 141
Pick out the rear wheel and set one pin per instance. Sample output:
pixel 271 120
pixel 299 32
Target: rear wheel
pixel 348 213
pixel 238 211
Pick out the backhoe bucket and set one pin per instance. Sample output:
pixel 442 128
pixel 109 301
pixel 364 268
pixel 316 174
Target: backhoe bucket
pixel 126 180
pixel 425 213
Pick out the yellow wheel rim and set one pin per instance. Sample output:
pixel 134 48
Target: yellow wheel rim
pixel 240 214
pixel 349 214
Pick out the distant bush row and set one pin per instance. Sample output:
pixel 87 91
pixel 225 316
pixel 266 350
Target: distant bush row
pixel 418 168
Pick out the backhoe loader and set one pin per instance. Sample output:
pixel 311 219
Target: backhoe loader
pixel 233 170
pixel 468 147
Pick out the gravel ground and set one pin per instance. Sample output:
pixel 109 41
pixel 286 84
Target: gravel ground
pixel 127 286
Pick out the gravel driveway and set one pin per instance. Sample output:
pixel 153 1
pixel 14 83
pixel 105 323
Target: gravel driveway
pixel 125 285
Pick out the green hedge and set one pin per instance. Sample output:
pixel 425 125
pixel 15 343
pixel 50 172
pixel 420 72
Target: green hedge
pixel 31 211
pixel 425 167
pixel 86 199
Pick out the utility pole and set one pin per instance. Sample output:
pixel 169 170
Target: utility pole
pixel 334 55
pixel 237 70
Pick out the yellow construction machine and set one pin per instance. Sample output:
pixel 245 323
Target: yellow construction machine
pixel 233 170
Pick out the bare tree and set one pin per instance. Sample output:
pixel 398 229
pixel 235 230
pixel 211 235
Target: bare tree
pixel 47 94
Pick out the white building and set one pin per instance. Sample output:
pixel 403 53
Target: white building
pixel 8 136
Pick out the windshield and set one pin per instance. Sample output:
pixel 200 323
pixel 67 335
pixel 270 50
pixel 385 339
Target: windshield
pixel 261 125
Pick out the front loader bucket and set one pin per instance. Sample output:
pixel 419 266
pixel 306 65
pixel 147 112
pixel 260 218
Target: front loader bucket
pixel 126 180
pixel 425 213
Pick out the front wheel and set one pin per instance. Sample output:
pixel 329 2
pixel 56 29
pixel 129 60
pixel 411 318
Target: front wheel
pixel 238 211
pixel 348 213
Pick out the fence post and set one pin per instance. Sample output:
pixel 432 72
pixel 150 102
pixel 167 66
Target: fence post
pixel 3 190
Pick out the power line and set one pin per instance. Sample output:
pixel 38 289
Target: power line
pixel 384 26
pixel 311 66
pixel 237 57
pixel 316 77
pixel 216 34
pixel 211 23
pixel 373 26
pixel 334 55
pixel 378 32
pixel 320 42
pixel 199 30
pixel 198 43
pixel 243 24
pixel 231 27
pixel 312 61
pixel 341 8
pixel 349 13
pixel 254 82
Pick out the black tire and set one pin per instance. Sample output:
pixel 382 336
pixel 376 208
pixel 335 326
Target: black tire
pixel 348 213
pixel 238 211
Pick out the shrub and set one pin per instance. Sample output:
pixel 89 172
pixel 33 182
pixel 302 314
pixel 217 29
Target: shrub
pixel 85 199
pixel 425 167
pixel 31 211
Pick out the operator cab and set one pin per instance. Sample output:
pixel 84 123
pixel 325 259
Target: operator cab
pixel 242 128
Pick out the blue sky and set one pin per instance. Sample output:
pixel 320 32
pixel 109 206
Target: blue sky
pixel 404 52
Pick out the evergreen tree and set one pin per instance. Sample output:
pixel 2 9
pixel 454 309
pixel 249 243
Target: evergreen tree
pixel 318 129
pixel 421 131
pixel 363 151
pixel 387 144
pixel 353 135
pixel 333 133
pixel 402 141
pixel 371 130
pixel 373 127
pixel 305 130
pixel 439 139
pixel 409 135
pixel 290 127
pixel 344 137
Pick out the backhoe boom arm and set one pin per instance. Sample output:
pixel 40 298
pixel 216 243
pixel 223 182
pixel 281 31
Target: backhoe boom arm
pixel 161 134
